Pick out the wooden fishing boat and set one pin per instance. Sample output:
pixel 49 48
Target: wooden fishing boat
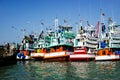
pixel 61 45
pixel 39 52
pixel 106 55
pixel 38 55
pixel 59 52
pixel 109 48
pixel 26 48
pixel 81 52
pixel 83 47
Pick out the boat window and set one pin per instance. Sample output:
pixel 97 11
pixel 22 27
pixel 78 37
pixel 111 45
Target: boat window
pixel 78 39
pixel 116 39
pixel 38 45
pixel 58 40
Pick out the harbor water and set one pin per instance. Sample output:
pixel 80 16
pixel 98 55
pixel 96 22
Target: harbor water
pixel 41 70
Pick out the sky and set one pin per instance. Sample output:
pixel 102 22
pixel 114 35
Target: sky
pixel 16 15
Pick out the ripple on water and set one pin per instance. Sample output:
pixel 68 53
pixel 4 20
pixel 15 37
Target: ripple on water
pixel 40 70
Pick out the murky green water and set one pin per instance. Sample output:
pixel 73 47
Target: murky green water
pixel 40 70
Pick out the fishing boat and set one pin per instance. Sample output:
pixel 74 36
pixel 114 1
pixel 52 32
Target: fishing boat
pixel 26 48
pixel 82 47
pixel 106 54
pixel 61 44
pixel 58 52
pixel 40 46
pixel 109 45
pixel 38 54
pixel 114 40
pixel 91 41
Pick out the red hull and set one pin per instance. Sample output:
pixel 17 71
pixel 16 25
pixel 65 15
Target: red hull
pixel 81 57
pixel 80 54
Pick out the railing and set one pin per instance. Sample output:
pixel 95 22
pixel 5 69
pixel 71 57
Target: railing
pixel 115 45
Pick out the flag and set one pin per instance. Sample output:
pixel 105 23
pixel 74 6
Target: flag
pixel 42 23
pixel 88 24
pixel 14 27
pixel 110 21
pixel 97 29
pixel 103 14
pixel 24 30
pixel 80 21
pixel 65 21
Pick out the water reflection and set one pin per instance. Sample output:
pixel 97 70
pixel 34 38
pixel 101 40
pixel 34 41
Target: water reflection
pixel 106 65
pixel 41 70
pixel 105 70
pixel 81 69
pixel 56 70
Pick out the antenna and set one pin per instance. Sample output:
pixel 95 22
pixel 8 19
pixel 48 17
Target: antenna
pixel 56 22
pixel 80 23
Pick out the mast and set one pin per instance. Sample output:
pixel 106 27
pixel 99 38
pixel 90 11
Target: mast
pixel 102 29
pixel 41 26
pixel 24 32
pixel 80 23
pixel 77 29
pixel 99 28
pixel 56 25
pixel 102 16
pixel 102 32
